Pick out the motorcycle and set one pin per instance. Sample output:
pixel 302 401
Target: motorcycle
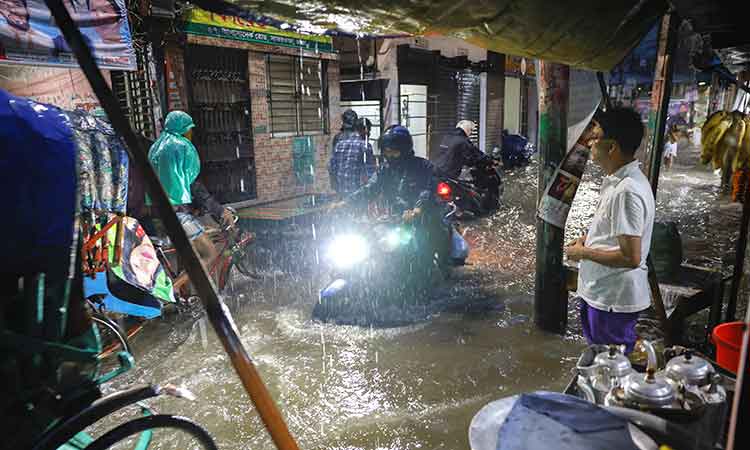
pixel 515 151
pixel 378 265
pixel 480 194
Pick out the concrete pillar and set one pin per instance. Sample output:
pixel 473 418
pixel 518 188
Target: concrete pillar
pixel 388 70
pixel 550 294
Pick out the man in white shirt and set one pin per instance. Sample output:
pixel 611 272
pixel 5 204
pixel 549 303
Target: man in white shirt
pixel 613 277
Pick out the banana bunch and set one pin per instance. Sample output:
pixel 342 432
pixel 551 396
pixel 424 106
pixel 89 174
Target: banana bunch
pixel 725 139
pixel 742 158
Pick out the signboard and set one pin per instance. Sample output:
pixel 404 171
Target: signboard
pixel 205 23
pixel 28 34
pixel 519 66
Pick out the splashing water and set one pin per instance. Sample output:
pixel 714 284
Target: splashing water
pixel 407 387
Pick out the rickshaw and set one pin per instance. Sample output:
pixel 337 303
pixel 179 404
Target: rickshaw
pixel 50 346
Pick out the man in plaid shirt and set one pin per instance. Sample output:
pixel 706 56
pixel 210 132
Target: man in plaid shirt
pixel 347 167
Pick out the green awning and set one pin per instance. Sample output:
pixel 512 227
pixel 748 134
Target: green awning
pixel 587 34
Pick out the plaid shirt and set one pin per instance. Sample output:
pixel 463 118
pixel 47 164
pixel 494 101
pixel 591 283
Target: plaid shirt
pixel 347 167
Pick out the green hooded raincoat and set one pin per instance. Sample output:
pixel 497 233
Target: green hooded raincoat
pixel 175 158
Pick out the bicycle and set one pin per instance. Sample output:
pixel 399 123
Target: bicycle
pixel 232 244
pixel 54 380
pixel 69 429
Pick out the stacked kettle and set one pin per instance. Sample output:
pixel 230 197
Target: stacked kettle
pixel 725 140
pixel 687 388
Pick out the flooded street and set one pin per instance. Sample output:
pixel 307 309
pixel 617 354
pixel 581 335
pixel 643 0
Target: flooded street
pixel 411 387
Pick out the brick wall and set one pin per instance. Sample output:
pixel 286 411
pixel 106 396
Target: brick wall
pixel 273 155
pixel 177 96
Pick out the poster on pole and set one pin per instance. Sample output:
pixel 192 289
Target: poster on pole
pixel 585 97
pixel 29 34
pixel 560 192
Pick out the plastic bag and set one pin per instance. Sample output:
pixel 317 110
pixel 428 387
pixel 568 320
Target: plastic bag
pixel 459 246
pixel 666 249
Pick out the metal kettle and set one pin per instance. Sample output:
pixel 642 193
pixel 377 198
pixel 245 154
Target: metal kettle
pixel 690 369
pixel 697 376
pixel 609 370
pixel 650 391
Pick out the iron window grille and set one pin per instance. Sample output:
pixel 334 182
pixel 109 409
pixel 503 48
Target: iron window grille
pixel 297 95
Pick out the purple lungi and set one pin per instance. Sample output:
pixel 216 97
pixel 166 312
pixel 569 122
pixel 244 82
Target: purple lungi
pixel 605 327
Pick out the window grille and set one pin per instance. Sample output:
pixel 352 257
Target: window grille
pixel 297 95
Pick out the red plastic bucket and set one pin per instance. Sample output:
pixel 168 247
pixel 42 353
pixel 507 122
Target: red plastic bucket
pixel 728 340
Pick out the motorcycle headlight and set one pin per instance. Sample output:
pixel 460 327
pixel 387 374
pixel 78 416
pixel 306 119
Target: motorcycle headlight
pixel 396 238
pixel 348 250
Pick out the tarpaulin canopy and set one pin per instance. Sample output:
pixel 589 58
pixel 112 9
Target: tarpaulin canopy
pixel 29 34
pixel 639 65
pixel 582 33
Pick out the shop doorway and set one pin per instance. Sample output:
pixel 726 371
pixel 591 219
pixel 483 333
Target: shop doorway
pixel 413 106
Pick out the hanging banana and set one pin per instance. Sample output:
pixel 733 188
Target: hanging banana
pixel 742 158
pixel 712 136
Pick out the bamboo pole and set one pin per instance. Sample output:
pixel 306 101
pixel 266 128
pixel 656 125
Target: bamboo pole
pixel 660 95
pixel 217 312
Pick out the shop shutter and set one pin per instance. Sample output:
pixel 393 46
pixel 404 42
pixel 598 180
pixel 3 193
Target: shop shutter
pixel 469 98
pixel 443 105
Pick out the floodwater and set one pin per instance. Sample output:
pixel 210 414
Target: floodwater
pixel 409 387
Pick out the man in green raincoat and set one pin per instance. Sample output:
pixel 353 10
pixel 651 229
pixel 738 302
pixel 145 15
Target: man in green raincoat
pixel 177 164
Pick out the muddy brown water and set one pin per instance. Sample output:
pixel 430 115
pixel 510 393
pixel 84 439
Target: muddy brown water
pixel 409 387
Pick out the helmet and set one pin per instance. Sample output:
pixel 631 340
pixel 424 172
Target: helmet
pixel 349 119
pixel 397 137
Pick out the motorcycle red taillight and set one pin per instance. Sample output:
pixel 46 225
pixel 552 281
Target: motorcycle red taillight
pixel 444 191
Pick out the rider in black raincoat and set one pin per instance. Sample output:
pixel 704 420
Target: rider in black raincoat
pixel 408 186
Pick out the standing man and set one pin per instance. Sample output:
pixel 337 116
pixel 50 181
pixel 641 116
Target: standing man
pixel 613 277
pixel 347 166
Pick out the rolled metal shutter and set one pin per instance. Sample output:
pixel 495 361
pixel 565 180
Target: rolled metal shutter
pixel 468 83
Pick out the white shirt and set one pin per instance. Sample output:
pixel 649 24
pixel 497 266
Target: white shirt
pixel 626 208
pixel 670 149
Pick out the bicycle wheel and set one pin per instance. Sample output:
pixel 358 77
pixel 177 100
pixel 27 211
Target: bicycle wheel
pixel 84 418
pixel 246 263
pixel 142 424
pixel 112 335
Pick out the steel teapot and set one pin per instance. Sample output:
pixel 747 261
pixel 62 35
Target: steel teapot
pixel 607 370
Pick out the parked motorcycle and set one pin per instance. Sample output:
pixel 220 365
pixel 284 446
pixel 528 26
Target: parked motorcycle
pixel 379 265
pixel 515 151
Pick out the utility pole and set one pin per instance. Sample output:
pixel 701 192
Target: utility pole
pixel 657 121
pixel 550 295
